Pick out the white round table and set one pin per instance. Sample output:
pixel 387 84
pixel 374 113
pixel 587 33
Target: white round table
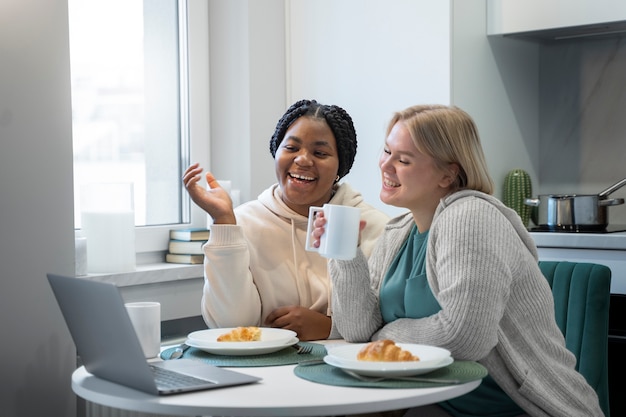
pixel 280 393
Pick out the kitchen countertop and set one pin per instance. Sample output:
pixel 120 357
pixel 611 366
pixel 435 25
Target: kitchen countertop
pixel 600 248
pixel 600 241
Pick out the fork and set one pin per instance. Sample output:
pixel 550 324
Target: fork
pixel 303 349
pixel 399 378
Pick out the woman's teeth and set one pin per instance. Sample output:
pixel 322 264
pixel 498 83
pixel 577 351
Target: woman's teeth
pixel 389 183
pixel 301 177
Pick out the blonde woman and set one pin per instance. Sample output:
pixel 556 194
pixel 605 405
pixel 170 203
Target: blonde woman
pixel 459 271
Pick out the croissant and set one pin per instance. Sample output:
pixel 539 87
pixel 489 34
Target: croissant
pixel 241 334
pixel 385 351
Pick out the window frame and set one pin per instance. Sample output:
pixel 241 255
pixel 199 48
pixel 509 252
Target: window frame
pixel 152 241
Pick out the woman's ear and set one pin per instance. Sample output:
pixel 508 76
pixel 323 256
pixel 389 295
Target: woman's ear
pixel 451 175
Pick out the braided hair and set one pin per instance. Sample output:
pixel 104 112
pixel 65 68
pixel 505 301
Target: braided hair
pixel 338 120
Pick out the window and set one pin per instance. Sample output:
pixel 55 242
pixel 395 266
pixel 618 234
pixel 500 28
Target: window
pixel 131 106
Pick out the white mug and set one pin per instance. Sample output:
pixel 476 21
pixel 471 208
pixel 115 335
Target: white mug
pixel 146 319
pixel 341 232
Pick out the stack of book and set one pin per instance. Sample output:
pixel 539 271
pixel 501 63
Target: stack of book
pixel 185 246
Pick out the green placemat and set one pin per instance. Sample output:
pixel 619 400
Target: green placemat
pixel 464 371
pixel 286 356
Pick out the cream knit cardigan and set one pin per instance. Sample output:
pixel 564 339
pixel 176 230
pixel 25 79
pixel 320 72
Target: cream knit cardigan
pixel 497 307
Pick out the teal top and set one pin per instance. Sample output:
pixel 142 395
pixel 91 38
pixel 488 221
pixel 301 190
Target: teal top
pixel 406 282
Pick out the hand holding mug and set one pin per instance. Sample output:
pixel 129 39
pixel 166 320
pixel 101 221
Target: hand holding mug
pixel 333 231
pixel 319 222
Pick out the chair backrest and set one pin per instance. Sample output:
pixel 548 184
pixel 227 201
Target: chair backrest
pixel 581 301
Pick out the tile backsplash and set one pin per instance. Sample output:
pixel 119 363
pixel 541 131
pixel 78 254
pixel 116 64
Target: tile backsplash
pixel 582 118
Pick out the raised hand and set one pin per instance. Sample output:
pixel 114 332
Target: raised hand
pixel 215 200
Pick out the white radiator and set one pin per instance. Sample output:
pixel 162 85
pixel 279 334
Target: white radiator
pixel 97 410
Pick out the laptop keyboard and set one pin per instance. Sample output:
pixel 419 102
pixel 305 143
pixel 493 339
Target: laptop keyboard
pixel 166 379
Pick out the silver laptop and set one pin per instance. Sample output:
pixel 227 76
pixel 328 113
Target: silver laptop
pixel 109 348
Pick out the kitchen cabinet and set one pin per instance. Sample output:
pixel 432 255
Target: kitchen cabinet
pixel 556 18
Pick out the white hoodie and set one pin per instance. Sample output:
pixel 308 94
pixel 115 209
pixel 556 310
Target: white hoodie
pixel 260 264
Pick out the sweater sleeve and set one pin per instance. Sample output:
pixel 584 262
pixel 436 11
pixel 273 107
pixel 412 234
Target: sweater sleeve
pixel 356 283
pixel 230 297
pixel 356 315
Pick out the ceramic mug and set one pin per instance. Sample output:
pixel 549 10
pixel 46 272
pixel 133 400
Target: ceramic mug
pixel 341 232
pixel 146 319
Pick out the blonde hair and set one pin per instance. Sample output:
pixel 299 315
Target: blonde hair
pixel 449 136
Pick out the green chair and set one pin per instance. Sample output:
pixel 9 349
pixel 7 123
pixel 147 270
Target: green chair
pixel 581 302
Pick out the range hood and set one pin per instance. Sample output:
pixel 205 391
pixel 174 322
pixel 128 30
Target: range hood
pixel 610 29
pixel 556 20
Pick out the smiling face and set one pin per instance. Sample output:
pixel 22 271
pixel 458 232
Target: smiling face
pixel 306 164
pixel 410 178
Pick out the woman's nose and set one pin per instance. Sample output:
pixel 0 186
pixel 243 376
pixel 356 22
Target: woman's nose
pixel 303 159
pixel 384 164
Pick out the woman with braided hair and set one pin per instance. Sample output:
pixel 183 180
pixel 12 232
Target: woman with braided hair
pixel 257 272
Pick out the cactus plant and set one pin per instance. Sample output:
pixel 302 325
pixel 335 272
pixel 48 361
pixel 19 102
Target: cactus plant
pixel 517 188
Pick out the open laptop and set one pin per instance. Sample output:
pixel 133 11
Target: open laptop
pixel 109 348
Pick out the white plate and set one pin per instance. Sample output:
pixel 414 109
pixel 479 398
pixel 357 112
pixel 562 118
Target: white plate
pixel 272 340
pixel 431 358
pixel 242 348
pixel 269 337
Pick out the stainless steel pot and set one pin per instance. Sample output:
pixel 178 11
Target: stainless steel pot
pixel 575 211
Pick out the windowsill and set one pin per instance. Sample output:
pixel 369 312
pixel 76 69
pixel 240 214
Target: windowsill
pixel 152 273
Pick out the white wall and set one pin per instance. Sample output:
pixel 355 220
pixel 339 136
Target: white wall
pixel 428 52
pixel 496 81
pixel 247 78
pixel 36 210
pixel 371 58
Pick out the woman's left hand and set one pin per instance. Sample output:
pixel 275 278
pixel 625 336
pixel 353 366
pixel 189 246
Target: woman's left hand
pixel 308 324
pixel 318 228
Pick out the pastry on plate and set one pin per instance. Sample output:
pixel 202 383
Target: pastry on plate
pixel 241 334
pixel 385 351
